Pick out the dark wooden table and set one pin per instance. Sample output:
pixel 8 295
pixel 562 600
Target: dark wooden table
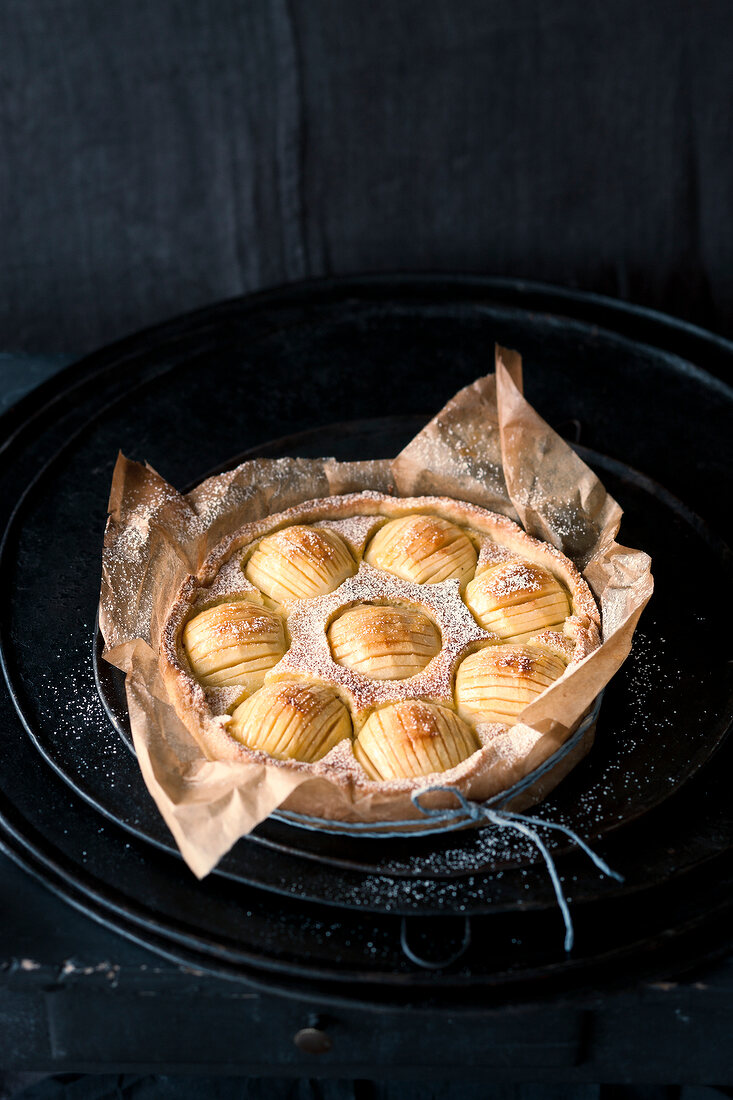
pixel 77 997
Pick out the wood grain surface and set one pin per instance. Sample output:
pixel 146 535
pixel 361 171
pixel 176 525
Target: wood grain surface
pixel 156 157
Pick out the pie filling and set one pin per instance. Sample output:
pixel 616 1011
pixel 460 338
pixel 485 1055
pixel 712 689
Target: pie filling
pixel 411 645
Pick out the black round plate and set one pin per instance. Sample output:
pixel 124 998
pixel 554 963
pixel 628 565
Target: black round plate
pixel 202 388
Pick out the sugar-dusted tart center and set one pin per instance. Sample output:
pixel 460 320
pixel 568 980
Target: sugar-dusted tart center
pixel 408 640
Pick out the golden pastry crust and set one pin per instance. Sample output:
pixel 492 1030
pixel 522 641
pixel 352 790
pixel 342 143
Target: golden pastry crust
pixel 464 543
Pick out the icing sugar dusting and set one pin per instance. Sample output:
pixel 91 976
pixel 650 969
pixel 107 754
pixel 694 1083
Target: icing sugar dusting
pixel 354 530
pixel 511 578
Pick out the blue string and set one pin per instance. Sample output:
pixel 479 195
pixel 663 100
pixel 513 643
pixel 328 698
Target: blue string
pixel 497 818
pixel 505 819
pixel 593 856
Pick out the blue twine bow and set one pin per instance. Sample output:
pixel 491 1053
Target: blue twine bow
pixel 506 819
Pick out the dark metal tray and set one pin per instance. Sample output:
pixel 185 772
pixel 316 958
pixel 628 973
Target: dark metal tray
pixel 189 394
pixel 634 766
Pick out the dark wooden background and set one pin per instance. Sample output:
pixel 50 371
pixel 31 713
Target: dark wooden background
pixel 155 156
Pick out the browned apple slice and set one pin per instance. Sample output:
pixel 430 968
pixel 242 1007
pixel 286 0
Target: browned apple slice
pixel 233 644
pixel 300 562
pixel 383 643
pixel 292 721
pixel 421 548
pixel 497 682
pixel 516 599
pixel 414 738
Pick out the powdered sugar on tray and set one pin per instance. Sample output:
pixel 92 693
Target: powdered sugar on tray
pixel 91 755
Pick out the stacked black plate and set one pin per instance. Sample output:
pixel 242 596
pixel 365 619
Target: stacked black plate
pixel 353 369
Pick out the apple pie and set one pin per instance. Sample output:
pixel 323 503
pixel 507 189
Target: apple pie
pixel 372 640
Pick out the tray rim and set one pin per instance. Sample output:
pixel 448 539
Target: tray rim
pixel 559 847
pixel 89 364
pixel 364 282
pixel 699 524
